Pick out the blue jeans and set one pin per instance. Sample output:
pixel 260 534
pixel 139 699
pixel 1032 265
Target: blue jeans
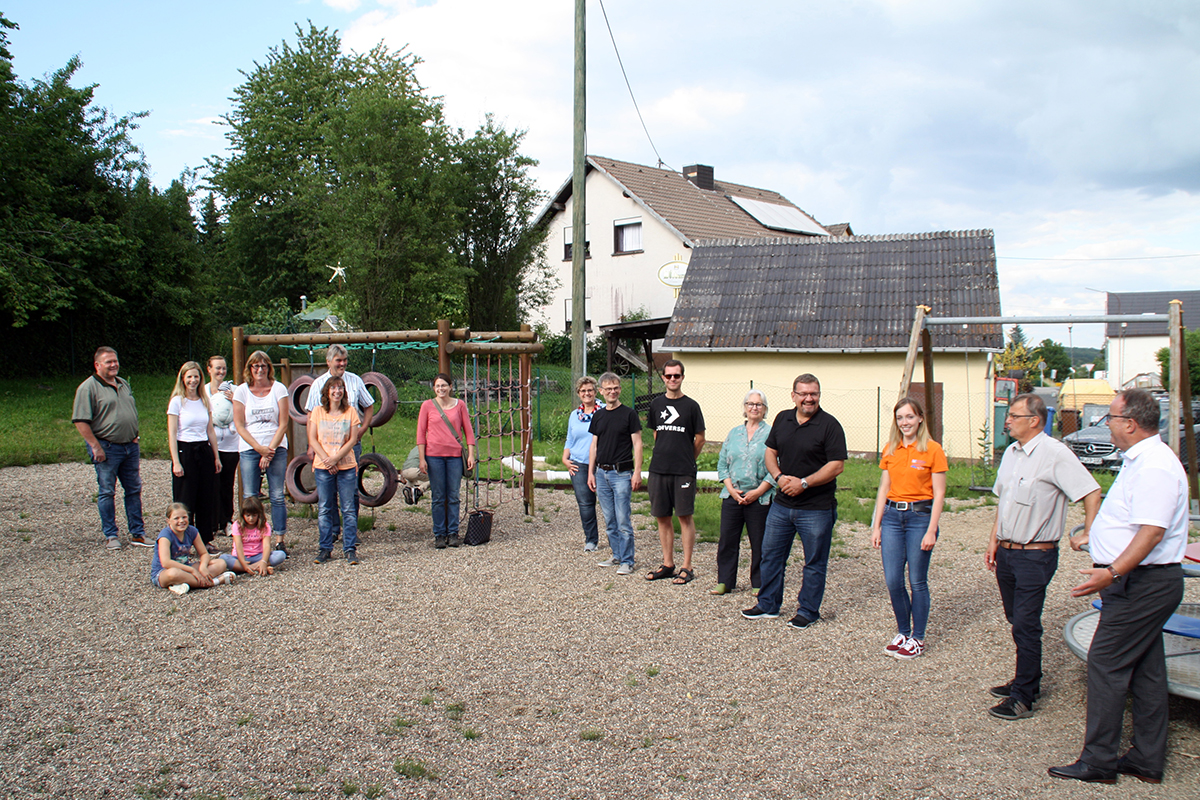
pixel 122 462
pixel 585 498
pixel 337 517
pixel 613 490
pixel 336 489
pixel 815 527
pixel 276 484
pixel 275 558
pixel 900 535
pixel 445 475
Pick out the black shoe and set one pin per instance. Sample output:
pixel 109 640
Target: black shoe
pixel 439 542
pixel 322 557
pixel 351 556
pixel 417 495
pixel 1141 773
pixel 758 613
pixel 1011 709
pixel 801 621
pixel 281 547
pixel 407 492
pixel 1081 771
pixel 453 541
pixel 1005 690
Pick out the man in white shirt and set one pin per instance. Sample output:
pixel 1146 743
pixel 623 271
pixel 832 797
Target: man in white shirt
pixel 1136 543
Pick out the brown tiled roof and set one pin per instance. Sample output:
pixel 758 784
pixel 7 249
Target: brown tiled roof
pixel 839 229
pixel 696 214
pixel 836 292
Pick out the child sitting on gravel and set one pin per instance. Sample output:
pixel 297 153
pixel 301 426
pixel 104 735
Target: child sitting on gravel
pixel 172 567
pixel 249 533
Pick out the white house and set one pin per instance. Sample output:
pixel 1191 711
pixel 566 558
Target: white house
pixel 642 223
pixel 1130 347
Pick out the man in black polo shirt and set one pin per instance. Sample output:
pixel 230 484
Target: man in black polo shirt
pixel 106 417
pixel 615 470
pixel 806 451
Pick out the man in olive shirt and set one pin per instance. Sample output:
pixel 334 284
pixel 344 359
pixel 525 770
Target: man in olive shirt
pixel 1036 478
pixel 106 417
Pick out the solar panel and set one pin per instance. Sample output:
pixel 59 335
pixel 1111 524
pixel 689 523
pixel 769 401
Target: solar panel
pixel 779 218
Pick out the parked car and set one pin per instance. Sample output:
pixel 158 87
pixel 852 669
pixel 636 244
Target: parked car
pixel 1095 450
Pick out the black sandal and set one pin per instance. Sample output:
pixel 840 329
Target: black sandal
pixel 685 576
pixel 662 572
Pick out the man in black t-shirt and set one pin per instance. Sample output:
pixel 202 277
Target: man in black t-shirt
pixel 806 451
pixel 615 470
pixel 678 427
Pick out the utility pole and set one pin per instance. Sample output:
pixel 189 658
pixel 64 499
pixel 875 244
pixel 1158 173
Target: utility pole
pixel 578 216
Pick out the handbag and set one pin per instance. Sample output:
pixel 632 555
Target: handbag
pixel 454 433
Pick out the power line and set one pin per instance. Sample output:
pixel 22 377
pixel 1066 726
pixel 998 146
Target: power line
pixel 1125 258
pixel 627 86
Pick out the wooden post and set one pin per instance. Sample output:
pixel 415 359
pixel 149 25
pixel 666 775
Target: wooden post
pixel 443 340
pixel 1176 372
pixel 910 360
pixel 526 376
pixel 927 361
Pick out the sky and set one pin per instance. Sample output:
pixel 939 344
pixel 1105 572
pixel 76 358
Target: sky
pixel 1068 128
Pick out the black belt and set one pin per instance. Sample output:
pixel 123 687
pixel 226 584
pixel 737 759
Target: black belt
pixel 921 506
pixel 620 466
pixel 1139 566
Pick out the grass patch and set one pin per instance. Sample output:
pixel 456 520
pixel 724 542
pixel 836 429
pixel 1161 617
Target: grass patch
pixel 455 710
pixel 591 734
pixel 399 726
pixel 349 788
pixel 652 671
pixel 373 791
pixel 411 768
pixel 244 719
pixel 427 699
pixel 470 734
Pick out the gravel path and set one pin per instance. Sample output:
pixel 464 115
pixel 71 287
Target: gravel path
pixel 518 669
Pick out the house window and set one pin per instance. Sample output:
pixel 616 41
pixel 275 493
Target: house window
pixel 567 253
pixel 627 236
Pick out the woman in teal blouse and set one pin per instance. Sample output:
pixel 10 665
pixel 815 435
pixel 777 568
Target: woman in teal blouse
pixel 746 496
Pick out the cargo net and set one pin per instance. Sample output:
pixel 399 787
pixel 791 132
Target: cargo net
pixel 493 390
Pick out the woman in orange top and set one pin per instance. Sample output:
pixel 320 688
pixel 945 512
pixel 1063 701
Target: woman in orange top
pixel 905 524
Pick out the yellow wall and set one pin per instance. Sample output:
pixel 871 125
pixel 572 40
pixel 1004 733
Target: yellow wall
pixel 857 388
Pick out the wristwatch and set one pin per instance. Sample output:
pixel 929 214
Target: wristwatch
pixel 804 483
pixel 1116 576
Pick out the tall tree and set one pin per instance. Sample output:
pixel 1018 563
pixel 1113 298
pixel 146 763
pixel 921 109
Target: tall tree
pixel 495 242
pixel 1056 357
pixel 339 158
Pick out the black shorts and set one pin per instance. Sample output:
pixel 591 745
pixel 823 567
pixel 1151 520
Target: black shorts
pixel 672 493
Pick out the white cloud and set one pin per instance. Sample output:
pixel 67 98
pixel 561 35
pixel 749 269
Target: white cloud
pixel 343 5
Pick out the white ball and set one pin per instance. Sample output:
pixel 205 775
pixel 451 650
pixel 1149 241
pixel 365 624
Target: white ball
pixel 222 410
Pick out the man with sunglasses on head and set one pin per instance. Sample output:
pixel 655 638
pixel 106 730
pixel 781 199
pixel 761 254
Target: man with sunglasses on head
pixel 678 426
pixel 1037 477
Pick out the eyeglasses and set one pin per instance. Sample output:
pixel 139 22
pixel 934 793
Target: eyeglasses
pixel 806 394
pixel 678 377
pixel 1019 416
pixel 260 366
pixel 1118 416
pixel 754 405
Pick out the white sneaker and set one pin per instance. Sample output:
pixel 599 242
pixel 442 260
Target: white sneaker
pixel 625 569
pixel 609 562
pixel 589 548
pixel 180 588
pixel 225 577
pixel 895 644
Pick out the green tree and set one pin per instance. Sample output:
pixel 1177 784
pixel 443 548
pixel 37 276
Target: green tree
pixel 1191 346
pixel 495 243
pixel 1056 357
pixel 340 158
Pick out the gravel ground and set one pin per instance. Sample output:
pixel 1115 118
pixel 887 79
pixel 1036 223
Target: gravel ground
pixel 517 669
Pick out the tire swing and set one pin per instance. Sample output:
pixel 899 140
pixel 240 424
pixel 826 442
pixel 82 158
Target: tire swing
pixel 388 397
pixel 294 478
pixel 297 398
pixel 391 480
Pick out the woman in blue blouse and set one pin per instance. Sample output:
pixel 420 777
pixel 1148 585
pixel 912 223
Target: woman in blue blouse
pixel 746 496
pixel 575 456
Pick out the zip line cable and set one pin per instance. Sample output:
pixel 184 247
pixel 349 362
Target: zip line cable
pixel 603 11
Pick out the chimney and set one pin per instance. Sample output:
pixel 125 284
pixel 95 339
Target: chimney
pixel 700 175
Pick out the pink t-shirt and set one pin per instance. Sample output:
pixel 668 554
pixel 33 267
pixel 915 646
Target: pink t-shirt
pixel 333 431
pixel 252 538
pixel 433 433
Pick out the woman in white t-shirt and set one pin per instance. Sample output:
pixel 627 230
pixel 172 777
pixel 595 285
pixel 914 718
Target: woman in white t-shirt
pixel 260 415
pixel 195 461
pixel 220 403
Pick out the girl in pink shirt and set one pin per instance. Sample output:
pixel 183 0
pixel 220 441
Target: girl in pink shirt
pixel 249 534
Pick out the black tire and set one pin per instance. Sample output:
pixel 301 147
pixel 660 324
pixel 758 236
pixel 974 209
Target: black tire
pixel 294 479
pixel 388 397
pixel 297 398
pixel 391 479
